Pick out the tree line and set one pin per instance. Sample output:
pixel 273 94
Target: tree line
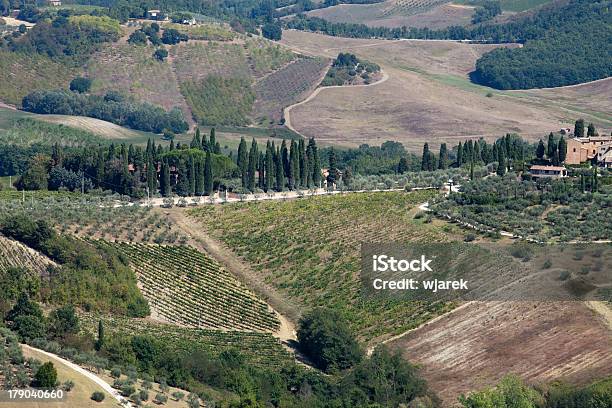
pixel 112 107
pixel 278 168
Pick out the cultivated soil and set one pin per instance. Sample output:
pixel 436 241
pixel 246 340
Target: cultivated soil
pixel 429 98
pixel 477 345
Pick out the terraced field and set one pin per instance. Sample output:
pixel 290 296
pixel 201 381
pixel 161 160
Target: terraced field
pixel 287 86
pixel 188 288
pixel 16 254
pixel 308 250
pixel 260 349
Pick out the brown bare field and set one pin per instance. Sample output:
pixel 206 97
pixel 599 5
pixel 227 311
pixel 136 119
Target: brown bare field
pixel 429 98
pixel 391 14
pixel 478 344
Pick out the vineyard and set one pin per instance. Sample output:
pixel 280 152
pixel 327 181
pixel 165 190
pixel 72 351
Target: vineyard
pixel 16 254
pixel 266 58
pixel 188 288
pixel 410 7
pixel 219 101
pixel 287 86
pixel 308 250
pixel 260 349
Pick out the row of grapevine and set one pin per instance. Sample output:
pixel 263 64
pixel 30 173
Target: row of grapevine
pixel 15 254
pixel 260 349
pixel 188 288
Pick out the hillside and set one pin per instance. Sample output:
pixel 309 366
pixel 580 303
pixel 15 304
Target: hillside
pixel 429 97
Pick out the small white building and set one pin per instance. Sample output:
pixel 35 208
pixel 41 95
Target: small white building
pixel 538 171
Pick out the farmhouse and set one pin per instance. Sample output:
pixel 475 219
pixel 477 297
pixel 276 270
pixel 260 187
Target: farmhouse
pixel 155 15
pixel 55 3
pixel 581 149
pixel 537 171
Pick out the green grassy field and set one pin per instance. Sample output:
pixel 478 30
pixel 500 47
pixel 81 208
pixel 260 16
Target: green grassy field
pixel 308 250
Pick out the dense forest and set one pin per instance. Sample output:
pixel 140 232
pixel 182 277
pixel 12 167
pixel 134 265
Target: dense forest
pixel 563 45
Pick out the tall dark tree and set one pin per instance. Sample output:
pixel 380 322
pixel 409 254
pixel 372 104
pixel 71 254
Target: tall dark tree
pixel 294 166
pixel 261 170
pixel 425 157
pixel 562 149
pixel 270 170
pixel 166 188
pixel 191 175
pixel 199 184
pixel 316 163
pixel 252 166
pixel 101 339
pixel 302 162
pixel 279 171
pixel 443 161
pixel 540 150
pixel 332 172
pixel 285 157
pixel 214 144
pixel 551 146
pixel 196 142
pixel 591 130
pixel 182 183
pixel 208 175
pixel 243 161
pixel 459 156
pixel 151 177
pixel 579 128
pixel 402 166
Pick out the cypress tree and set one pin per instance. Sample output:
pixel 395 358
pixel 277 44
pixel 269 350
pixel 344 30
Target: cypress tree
pixel 172 145
pixel 591 130
pixel 214 145
pixel 199 187
pixel 269 183
pixel 100 341
pixel 191 175
pixel 552 146
pixel 579 128
pixel 166 188
pixel 302 163
pixel 285 157
pixel 562 149
pixel 465 157
pixel 477 154
pixel 425 159
pixel 242 161
pixel 472 169
pixel 294 166
pixel 182 185
pixel 309 165
pixel 196 143
pixel 205 144
pixel 261 168
pixel 151 177
pixel 252 165
pixel 333 166
pixel 279 171
pixel 208 175
pixel 540 150
pixel 316 164
pixel 443 163
pixel 459 155
pixel 470 150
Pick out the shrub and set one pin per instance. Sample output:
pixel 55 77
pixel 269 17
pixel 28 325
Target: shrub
pixel 326 339
pixel 160 399
pixel 97 396
pixel 80 85
pixel 115 372
pixel 46 376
